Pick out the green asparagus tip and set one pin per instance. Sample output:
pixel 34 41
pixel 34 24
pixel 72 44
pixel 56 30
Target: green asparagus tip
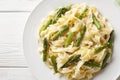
pixel 71 61
pixel 111 39
pixel 45 43
pixel 92 64
pixel 97 50
pixel 96 22
pixel 83 12
pixel 57 34
pixel 46 25
pixel 105 60
pixel 69 39
pixel 53 60
pixel 80 37
pixel 59 12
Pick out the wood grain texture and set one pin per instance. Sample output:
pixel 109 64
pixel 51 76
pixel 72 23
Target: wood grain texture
pixel 12 60
pixel 18 5
pixel 11 27
pixel 13 16
pixel 11 31
pixel 13 65
pixel 15 74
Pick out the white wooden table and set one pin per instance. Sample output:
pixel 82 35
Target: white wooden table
pixel 13 16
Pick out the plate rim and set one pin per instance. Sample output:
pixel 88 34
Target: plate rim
pixel 29 17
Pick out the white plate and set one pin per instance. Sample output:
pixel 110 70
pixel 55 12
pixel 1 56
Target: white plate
pixel 30 41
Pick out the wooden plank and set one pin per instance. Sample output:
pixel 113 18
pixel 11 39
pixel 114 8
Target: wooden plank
pixel 18 5
pixel 15 74
pixel 11 27
pixel 11 31
pixel 13 65
pixel 12 59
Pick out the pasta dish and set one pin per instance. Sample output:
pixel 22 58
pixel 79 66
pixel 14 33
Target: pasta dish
pixel 76 41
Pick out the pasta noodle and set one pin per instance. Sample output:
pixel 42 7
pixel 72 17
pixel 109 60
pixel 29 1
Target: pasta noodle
pixel 78 39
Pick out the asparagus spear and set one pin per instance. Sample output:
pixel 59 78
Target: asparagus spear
pixel 97 50
pixel 96 22
pixel 71 60
pixel 109 44
pixel 111 40
pixel 57 16
pixel 45 43
pixel 92 64
pixel 80 37
pixel 59 12
pixel 56 35
pixel 54 63
pixel 69 39
pixel 83 12
pixel 46 25
pixel 111 36
pixel 105 60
